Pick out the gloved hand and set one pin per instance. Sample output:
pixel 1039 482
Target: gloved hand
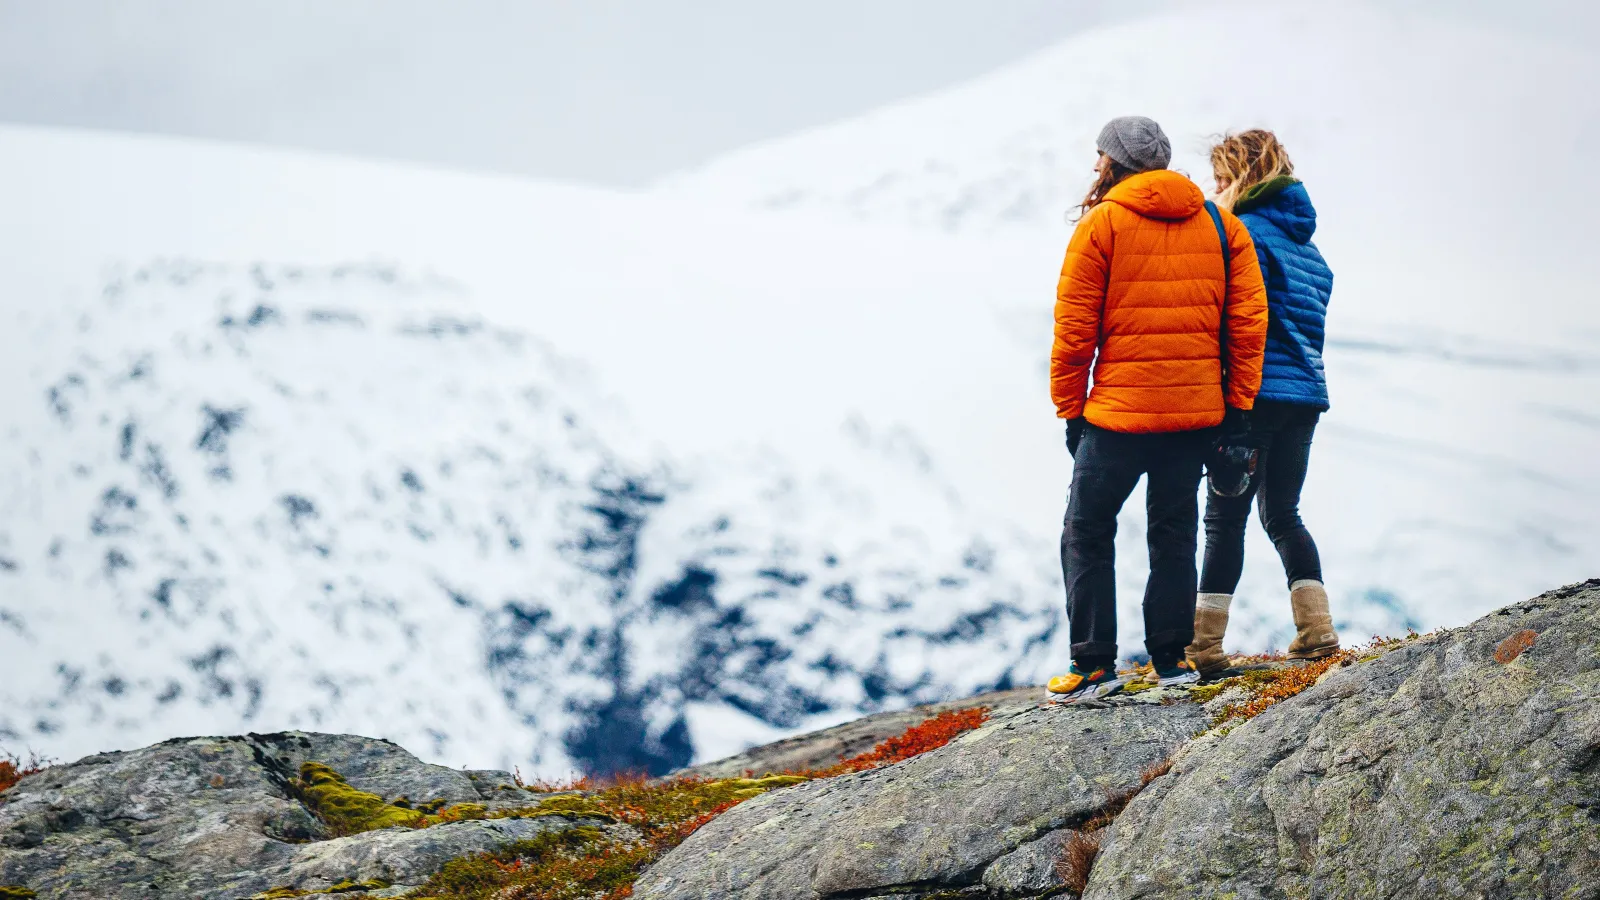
pixel 1235 426
pixel 1232 465
pixel 1074 435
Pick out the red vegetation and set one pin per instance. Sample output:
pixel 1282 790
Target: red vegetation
pixel 580 783
pixel 1512 647
pixel 930 735
pixel 1152 772
pixel 1077 859
pixel 13 770
pixel 594 864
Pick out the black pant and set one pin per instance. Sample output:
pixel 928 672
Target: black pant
pixel 1105 471
pixel 1282 432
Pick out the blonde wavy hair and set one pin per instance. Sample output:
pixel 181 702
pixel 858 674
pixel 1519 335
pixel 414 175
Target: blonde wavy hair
pixel 1246 159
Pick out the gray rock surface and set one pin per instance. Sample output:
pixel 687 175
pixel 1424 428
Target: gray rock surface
pixel 820 749
pixel 934 822
pixel 214 818
pixel 1029 870
pixel 1434 771
pixel 1446 766
pixel 405 855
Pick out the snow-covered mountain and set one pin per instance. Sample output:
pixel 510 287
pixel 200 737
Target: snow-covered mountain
pixel 576 478
pixel 1398 120
pixel 321 497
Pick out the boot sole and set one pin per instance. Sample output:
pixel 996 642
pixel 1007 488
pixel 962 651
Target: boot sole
pixel 1322 653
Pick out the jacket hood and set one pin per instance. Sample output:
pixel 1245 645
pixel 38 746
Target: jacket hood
pixel 1284 202
pixel 1158 194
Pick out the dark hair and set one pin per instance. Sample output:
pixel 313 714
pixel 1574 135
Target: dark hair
pixel 1113 175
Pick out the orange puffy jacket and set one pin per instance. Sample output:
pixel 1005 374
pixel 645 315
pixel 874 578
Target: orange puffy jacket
pixel 1144 299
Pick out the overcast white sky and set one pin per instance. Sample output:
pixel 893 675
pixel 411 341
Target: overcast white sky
pixel 610 91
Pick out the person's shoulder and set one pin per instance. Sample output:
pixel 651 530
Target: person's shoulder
pixel 1257 224
pixel 1097 221
pixel 1234 222
pixel 1104 212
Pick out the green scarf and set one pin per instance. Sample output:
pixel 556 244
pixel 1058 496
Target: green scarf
pixel 1261 193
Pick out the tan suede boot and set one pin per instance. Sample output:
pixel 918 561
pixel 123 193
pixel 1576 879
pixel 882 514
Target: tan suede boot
pixel 1315 637
pixel 1210 622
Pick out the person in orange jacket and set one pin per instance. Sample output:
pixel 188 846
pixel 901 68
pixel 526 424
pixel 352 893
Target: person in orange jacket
pixel 1160 331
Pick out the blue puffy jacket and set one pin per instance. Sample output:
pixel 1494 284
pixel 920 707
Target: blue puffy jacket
pixel 1281 220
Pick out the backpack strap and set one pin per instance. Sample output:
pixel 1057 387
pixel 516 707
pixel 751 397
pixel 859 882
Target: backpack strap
pixel 1222 235
pixel 1227 282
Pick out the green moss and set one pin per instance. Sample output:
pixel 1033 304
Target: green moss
pixel 1252 681
pixel 586 862
pixel 346 809
pixel 15 892
pixel 772 781
pixel 572 806
pixel 484 874
pixel 462 811
pixel 651 817
pixel 344 887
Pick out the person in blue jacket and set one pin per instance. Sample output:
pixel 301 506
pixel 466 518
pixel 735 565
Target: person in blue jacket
pixel 1255 180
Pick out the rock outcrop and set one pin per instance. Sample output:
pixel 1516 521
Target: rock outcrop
pixel 820 749
pixel 218 818
pixel 935 821
pixel 1464 763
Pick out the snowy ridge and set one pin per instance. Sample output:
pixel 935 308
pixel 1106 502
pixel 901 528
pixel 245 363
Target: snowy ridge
pixel 1395 119
pixel 282 497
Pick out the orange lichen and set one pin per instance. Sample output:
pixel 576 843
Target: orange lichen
pixel 1281 684
pixel 1513 646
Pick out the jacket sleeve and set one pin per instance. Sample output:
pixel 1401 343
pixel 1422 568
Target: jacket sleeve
pixel 1080 301
pixel 1244 316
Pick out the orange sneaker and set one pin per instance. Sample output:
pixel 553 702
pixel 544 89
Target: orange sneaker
pixel 1078 684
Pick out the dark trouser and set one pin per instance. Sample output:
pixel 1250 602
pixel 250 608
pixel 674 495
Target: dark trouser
pixel 1104 473
pixel 1282 432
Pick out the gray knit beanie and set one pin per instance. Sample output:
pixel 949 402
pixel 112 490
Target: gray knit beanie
pixel 1135 142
